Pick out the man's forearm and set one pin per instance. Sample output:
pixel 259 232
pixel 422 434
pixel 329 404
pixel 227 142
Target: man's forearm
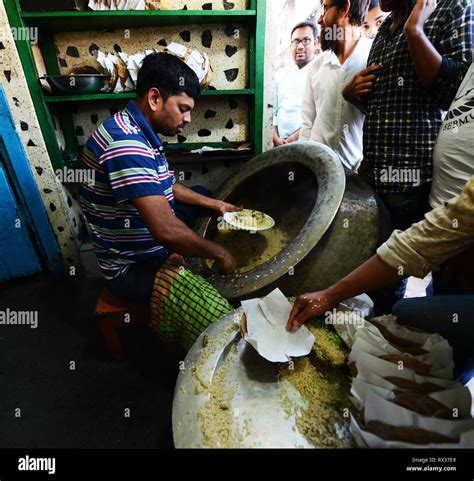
pixel 187 243
pixel 426 58
pixel 357 103
pixel 294 136
pixel 276 134
pixel 370 276
pixel 170 232
pixel 361 105
pixel 184 195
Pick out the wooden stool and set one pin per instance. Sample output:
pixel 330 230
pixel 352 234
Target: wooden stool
pixel 112 313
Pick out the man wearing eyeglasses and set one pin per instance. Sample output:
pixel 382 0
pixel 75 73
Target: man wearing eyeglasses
pixel 327 117
pixel 290 82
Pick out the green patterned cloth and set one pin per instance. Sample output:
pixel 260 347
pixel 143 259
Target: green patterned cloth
pixel 184 304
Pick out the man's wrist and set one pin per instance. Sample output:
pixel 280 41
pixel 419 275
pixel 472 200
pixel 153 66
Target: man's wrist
pixel 208 203
pixel 335 294
pixel 214 205
pixel 414 32
pixel 220 253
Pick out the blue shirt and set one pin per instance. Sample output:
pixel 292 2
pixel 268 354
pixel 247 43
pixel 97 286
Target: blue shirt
pixel 290 83
pixel 128 161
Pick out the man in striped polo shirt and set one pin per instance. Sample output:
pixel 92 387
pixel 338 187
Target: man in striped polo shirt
pixel 129 208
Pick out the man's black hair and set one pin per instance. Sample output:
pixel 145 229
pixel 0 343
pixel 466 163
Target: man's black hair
pixel 169 74
pixel 358 11
pixel 310 25
pixel 373 4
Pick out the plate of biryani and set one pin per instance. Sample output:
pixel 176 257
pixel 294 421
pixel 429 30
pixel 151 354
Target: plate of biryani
pixel 249 220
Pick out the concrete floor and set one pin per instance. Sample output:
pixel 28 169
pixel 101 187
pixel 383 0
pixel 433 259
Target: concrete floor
pixel 85 407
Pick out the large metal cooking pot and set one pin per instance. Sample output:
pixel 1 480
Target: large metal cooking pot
pixel 329 222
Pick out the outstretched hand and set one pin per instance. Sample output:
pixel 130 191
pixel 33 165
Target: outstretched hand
pixel 308 307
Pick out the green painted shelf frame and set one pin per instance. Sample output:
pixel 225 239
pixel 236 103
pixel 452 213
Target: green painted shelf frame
pixel 49 23
pixel 132 95
pixel 80 21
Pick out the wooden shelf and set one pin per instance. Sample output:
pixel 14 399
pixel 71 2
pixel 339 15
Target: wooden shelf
pixel 57 99
pixel 85 21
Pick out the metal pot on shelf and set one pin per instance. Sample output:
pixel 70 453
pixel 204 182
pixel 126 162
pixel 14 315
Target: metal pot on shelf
pixel 328 222
pixel 76 84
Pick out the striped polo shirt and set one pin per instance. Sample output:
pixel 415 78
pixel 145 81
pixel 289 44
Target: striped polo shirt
pixel 128 161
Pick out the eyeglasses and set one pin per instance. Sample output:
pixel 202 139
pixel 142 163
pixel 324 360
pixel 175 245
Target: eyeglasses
pixel 326 8
pixel 306 41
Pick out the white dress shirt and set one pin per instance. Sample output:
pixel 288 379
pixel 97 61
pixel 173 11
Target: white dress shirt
pixel 327 117
pixel 290 84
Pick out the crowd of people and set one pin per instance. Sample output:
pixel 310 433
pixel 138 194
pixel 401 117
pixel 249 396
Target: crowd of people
pixel 392 94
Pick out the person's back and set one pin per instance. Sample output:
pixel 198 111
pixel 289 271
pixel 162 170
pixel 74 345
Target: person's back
pixel 124 162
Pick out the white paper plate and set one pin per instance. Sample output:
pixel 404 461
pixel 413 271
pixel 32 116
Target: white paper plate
pixel 250 220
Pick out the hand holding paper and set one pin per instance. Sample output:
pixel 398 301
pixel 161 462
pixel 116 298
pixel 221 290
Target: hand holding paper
pixel 266 329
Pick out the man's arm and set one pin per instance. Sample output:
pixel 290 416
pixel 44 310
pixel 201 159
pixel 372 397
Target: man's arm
pixel 294 137
pixel 277 141
pixel 441 69
pixel 446 231
pixel 184 195
pixel 308 110
pixel 426 58
pixel 372 275
pixel 170 232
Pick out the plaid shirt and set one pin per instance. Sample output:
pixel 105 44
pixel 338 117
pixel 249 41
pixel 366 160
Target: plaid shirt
pixel 403 117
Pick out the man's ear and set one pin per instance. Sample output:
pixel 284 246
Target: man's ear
pixel 155 100
pixel 345 12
